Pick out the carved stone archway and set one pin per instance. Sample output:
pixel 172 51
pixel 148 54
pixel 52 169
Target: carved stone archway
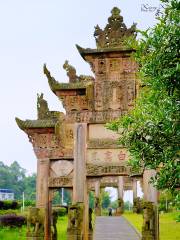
pixel 75 149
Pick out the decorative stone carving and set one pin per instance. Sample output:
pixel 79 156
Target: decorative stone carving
pixel 43 110
pixel 137 205
pixel 91 101
pixel 101 170
pixel 42 107
pixel 150 220
pixel 35 222
pixel 71 71
pixel 59 182
pixel 103 143
pixel 94 116
pixel 75 222
pixel 107 156
pixel 54 222
pixel 120 208
pixel 61 168
pixel 114 33
pixel 97 206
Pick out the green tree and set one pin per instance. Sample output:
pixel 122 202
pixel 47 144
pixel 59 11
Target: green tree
pixel 30 187
pixel 105 199
pixel 128 205
pixel 13 177
pixel 114 204
pixel 151 130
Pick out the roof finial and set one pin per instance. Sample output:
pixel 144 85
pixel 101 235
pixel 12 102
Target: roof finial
pixel 115 32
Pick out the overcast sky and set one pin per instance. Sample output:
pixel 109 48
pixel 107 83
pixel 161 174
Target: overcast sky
pixel 34 32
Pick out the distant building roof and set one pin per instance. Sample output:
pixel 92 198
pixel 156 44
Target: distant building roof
pixel 6 190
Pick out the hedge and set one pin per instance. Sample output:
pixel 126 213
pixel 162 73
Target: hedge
pixel 12 220
pixel 5 205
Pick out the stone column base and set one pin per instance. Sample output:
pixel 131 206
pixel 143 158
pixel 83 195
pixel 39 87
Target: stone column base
pixel 120 208
pixel 74 235
pixel 32 236
pixel 137 205
pixel 150 229
pixel 90 235
pixel 97 211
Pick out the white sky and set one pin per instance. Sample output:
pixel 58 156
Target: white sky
pixel 34 32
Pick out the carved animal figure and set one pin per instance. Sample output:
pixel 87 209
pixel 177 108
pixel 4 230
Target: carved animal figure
pixel 35 218
pixel 71 72
pixel 54 222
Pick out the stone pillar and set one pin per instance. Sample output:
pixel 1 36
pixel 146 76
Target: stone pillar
pixel 120 208
pixel 150 229
pixel 80 207
pixel 42 182
pixel 150 192
pixel 97 199
pixel 137 202
pixel 42 200
pixel 79 179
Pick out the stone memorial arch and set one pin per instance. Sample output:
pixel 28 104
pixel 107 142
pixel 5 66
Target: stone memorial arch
pixel 75 150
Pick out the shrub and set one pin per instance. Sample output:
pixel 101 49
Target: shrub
pixel 9 211
pixel 61 211
pixel 1 205
pixel 12 220
pixel 5 205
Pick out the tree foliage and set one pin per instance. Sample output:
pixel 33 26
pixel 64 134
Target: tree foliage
pixel 151 130
pixel 105 199
pixel 14 177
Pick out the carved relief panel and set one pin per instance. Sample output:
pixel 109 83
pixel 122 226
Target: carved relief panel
pixel 106 170
pixel 99 96
pixel 101 66
pixel 60 173
pixel 107 156
pixel 61 168
pixel 129 65
pixel 74 102
pixel 114 69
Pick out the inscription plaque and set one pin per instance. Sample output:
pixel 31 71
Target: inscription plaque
pixel 60 182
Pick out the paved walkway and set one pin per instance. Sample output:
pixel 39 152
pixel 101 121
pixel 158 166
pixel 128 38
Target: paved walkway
pixel 114 228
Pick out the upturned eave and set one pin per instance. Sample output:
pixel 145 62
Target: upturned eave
pixel 32 124
pixel 88 51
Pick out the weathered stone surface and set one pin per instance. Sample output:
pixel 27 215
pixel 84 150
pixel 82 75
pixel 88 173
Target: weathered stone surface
pixel 107 156
pixel 150 229
pixel 35 223
pixel 137 205
pixel 105 170
pixel 59 182
pixel 75 222
pixel 114 33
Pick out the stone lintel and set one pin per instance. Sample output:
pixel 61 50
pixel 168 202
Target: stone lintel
pixel 65 182
pixel 106 170
pixel 102 143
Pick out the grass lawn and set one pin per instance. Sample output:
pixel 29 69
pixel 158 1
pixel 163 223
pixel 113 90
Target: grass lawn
pixel 12 233
pixel 62 227
pixel 169 228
